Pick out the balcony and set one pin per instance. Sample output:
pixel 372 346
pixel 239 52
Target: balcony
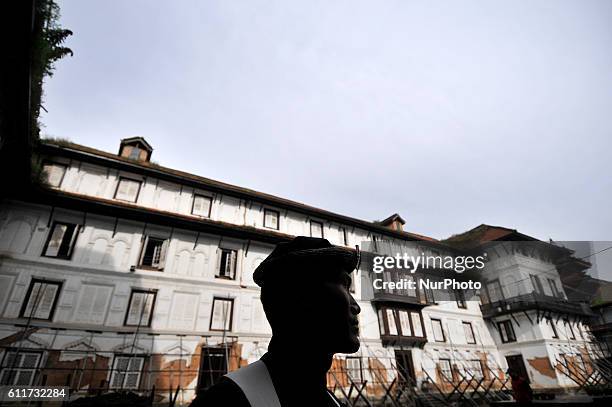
pixel 386 297
pixel 533 301
pixel 414 298
pixel 403 341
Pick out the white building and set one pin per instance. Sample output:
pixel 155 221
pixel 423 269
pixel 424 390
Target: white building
pixel 124 275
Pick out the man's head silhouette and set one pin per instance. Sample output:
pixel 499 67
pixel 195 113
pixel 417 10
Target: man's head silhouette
pixel 305 292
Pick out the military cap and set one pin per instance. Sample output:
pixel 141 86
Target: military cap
pixel 301 253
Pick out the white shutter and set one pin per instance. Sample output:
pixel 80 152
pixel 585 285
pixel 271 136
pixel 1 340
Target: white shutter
pixel 437 330
pixel 391 322
pixel 134 186
pixel 469 333
pixel 217 315
pixel 98 313
pixel 231 264
pixel 122 190
pixel 92 304
pixel 45 300
pixel 162 254
pixel 143 249
pixel 132 379
pixel 201 205
pixel 135 309
pixel 197 205
pixel 147 306
pixel 222 314
pixel 121 364
pixel 183 311
pixel 56 239
pixel 416 324
pixel 32 299
pixel 85 304
pixel 405 323
pixel 127 190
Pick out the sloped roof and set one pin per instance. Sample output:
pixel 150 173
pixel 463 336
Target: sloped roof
pixel 85 153
pixel 485 233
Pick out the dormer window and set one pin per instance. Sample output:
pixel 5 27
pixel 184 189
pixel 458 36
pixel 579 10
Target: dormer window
pixel 135 148
pixel 135 153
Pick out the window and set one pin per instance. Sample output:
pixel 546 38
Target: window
pixel 41 299
pixel 227 264
pixel 126 372
pixel 460 298
pixel 446 369
pixel 134 153
pixel 469 332
pixel 474 367
pixel 213 366
pixel 154 253
pixel 537 284
pixel 54 173
pixel 495 291
pixel 404 318
pixel 391 323
pixel 127 190
pixel 221 319
pixel 417 326
pixel 61 240
pixel 344 236
pixel 506 331
pixel 316 229
pixel 429 295
pixel 19 368
pixel 271 219
pixel 400 322
pixel 438 332
pixel 140 308
pixel 554 289
pixel 201 205
pixel 354 369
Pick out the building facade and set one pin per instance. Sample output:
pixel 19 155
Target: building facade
pixel 117 274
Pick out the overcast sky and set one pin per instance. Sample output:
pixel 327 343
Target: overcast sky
pixel 451 113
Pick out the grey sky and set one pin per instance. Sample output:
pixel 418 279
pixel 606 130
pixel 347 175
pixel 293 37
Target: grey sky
pixel 452 113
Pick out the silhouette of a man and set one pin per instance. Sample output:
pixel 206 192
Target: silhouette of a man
pixel 305 292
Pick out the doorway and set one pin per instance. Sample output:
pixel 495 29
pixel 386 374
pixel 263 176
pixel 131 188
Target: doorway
pixel 403 360
pixel 213 366
pixel 515 362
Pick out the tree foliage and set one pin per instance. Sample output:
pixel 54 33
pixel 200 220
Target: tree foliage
pixel 47 48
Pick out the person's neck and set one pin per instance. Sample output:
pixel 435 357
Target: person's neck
pixel 297 360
